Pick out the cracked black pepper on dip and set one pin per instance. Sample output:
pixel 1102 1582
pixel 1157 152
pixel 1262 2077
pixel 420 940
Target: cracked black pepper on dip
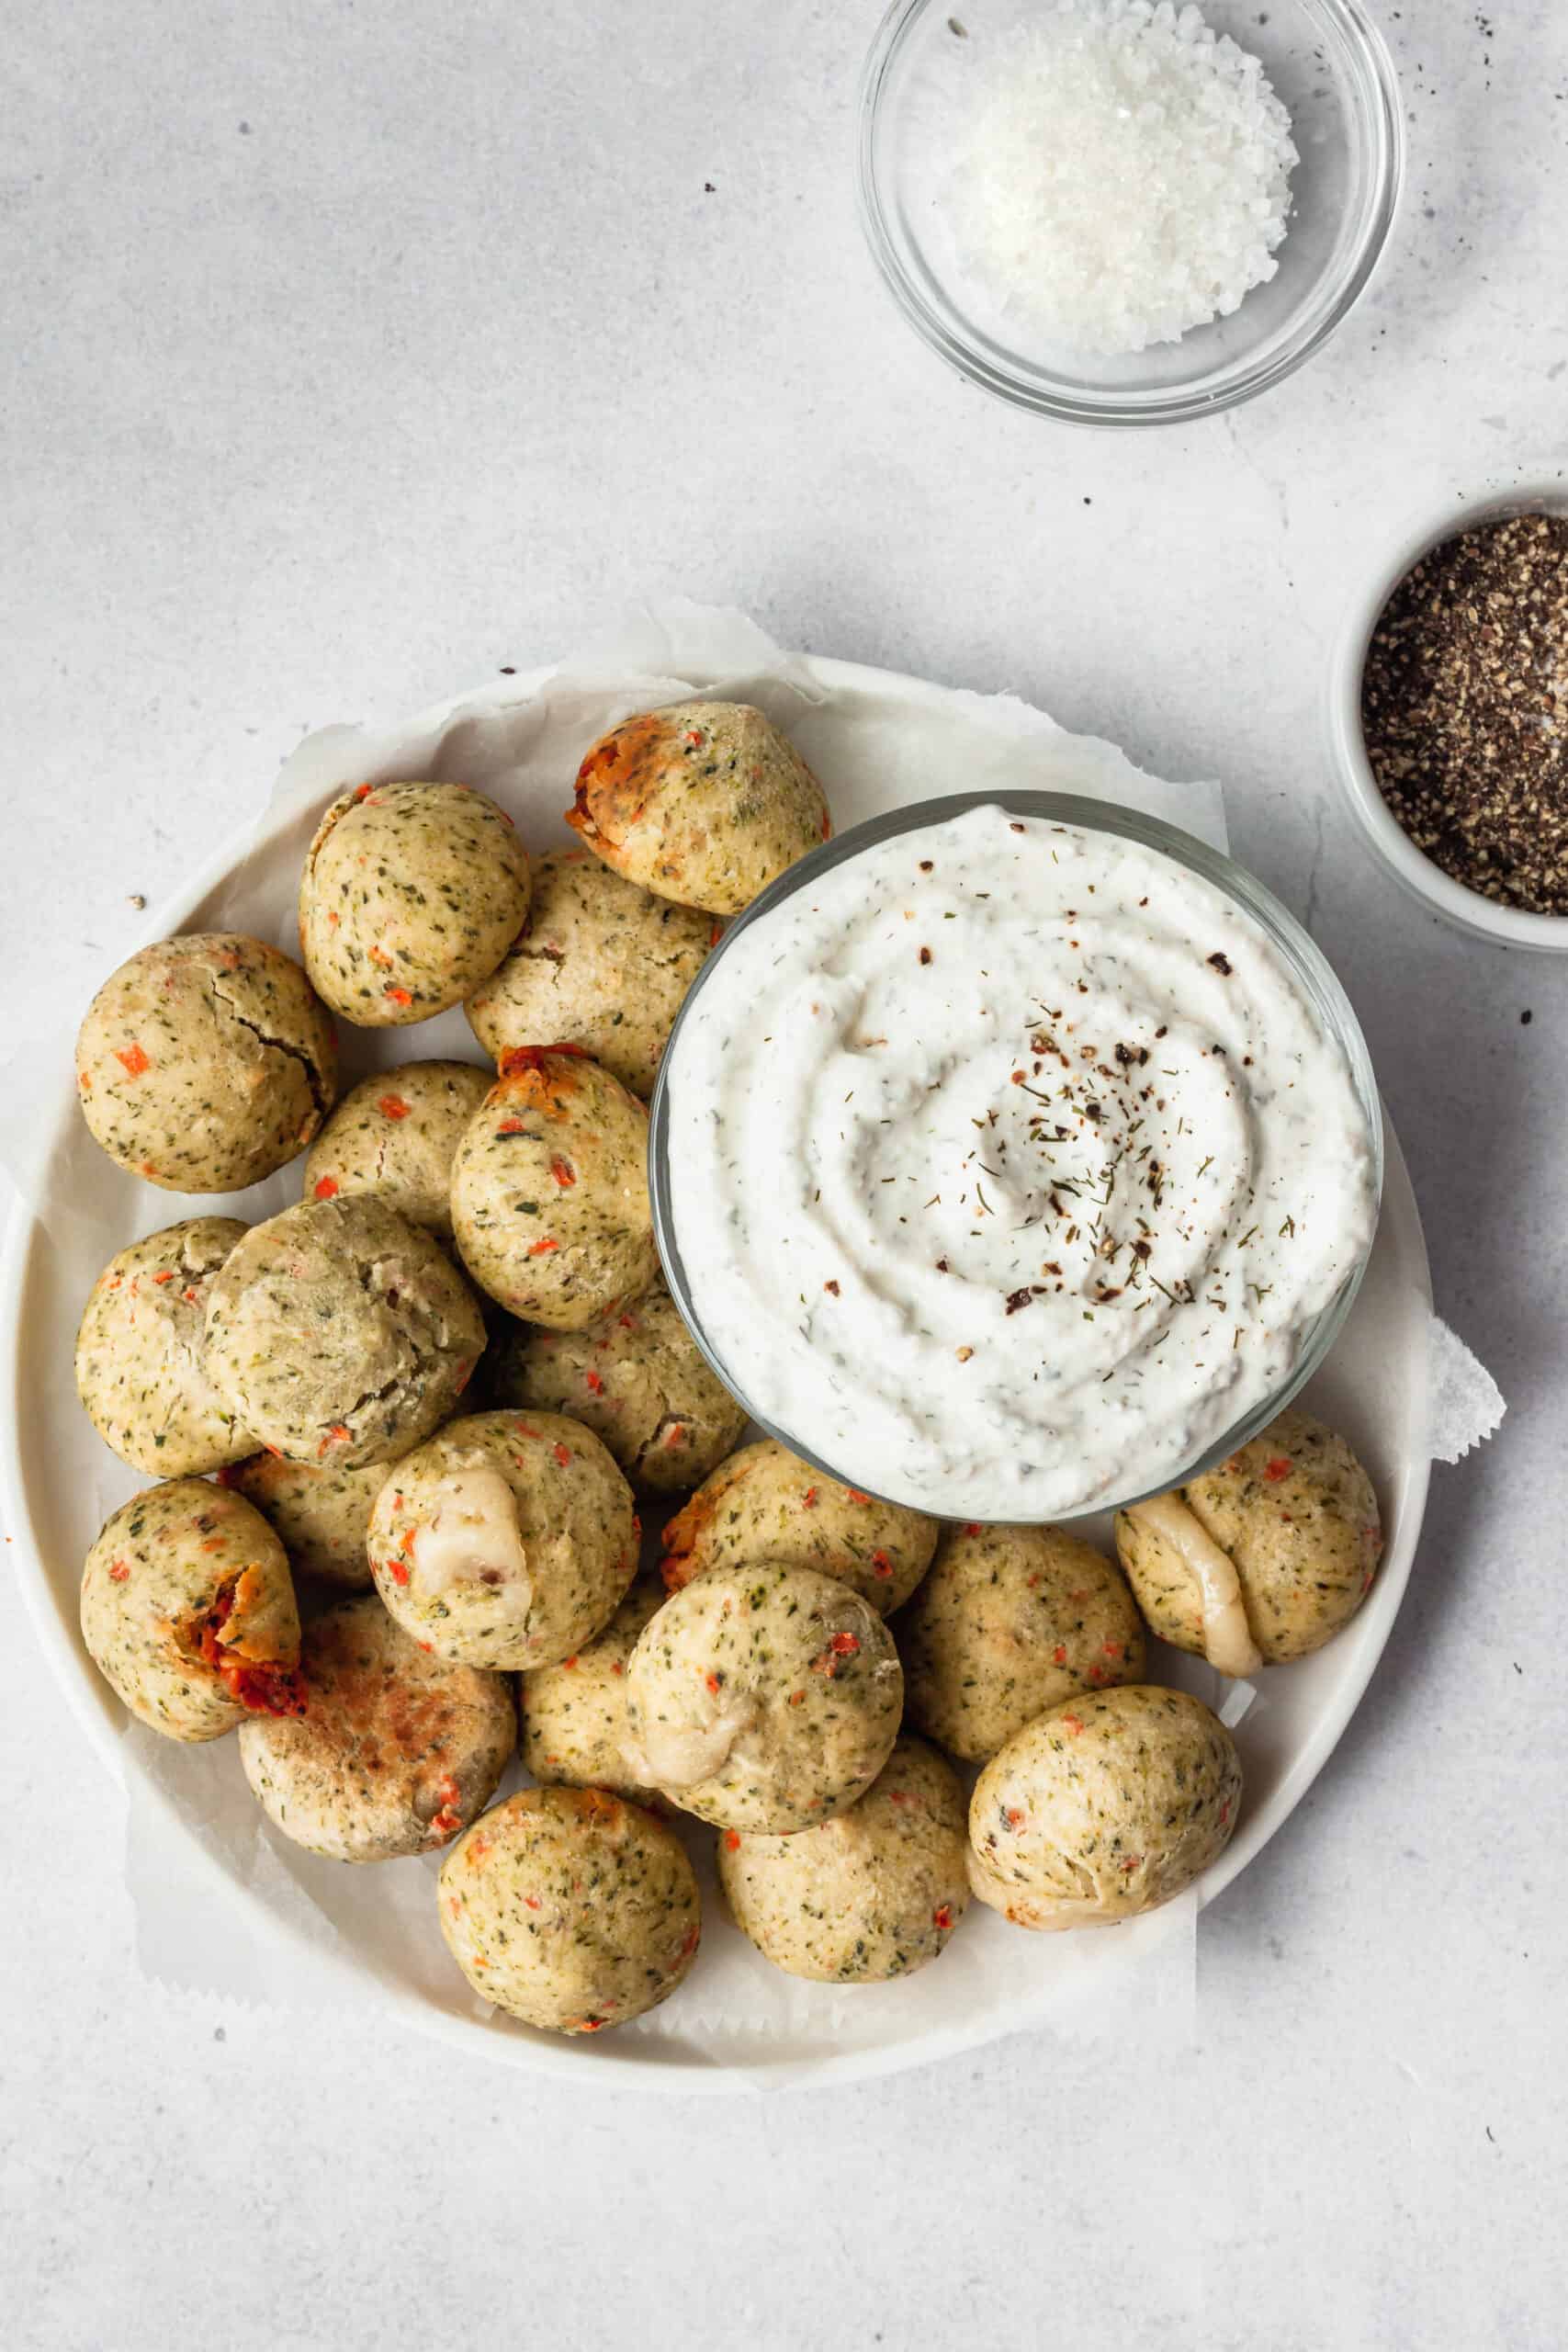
pixel 1464 709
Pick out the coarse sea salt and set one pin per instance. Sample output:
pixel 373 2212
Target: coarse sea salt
pixel 1123 175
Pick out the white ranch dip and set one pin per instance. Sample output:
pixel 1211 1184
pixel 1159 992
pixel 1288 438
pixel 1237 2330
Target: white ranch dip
pixel 1009 1165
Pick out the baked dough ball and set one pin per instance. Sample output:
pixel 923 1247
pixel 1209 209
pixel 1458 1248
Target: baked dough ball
pixel 871 1894
pixel 508 1540
pixel 394 1135
pixel 1105 1807
pixel 602 964
pixel 705 802
pixel 765 1503
pixel 574 1713
pixel 766 1697
pixel 188 1613
pixel 206 1062
pixel 338 1331
pixel 321 1511
pixel 549 1191
pixel 411 894
pixel 138 1353
pixel 1010 1622
pixel 1262 1559
pixel 640 1381
pixel 570 1909
pixel 395 1750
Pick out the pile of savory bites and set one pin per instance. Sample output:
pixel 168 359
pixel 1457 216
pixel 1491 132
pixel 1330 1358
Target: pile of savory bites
pixel 366 1576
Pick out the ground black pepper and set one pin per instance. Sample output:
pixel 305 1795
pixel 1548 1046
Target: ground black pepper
pixel 1464 709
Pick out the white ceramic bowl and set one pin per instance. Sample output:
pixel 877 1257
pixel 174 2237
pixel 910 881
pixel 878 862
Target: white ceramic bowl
pixel 1535 491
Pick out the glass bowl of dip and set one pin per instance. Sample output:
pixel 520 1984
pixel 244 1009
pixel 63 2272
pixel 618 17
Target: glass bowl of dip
pixel 701 1218
pixel 1329 65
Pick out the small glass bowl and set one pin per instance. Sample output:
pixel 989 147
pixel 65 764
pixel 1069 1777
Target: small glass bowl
pixel 1329 65
pixel 1518 491
pixel 1305 960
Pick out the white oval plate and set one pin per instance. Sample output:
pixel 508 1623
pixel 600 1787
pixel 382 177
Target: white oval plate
pixel 373 1935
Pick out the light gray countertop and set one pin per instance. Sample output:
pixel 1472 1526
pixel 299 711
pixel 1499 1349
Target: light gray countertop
pixel 350 351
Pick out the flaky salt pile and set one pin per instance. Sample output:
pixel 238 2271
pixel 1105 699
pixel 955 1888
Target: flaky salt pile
pixel 1123 174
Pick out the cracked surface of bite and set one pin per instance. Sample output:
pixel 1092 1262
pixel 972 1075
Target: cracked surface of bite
pixel 600 964
pixel 411 896
pixel 396 1751
pixel 206 1062
pixel 507 1540
pixel 341 1334
pixel 549 1191
pixel 393 1137
pixel 141 1369
pixel 638 1380
pixel 570 1909
pixel 763 1697
pixel 703 802
pixel 189 1611
pixel 1107 1805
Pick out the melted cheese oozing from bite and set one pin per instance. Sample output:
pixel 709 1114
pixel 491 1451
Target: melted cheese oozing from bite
pixel 471 1537
pixel 1227 1638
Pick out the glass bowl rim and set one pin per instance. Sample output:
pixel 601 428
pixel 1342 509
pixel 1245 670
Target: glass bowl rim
pixel 1312 323
pixel 1310 965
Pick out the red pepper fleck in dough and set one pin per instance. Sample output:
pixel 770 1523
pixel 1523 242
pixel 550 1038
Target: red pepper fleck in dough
pixel 595 1383
pixel 563 1174
pixel 326 1188
pixel 942 1916
pixel 1280 1467
pixel 119 1572
pixel 562 1454
pixel 1072 1724
pixel 541 1249
pixel 882 1564
pixel 855 1495
pixel 1060 1654
pixel 162 1279
pixel 392 1106
pixel 732 1841
pixel 399 996
pixel 135 1058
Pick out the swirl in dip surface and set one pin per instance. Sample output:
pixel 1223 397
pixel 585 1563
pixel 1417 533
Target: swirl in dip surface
pixel 1008 1164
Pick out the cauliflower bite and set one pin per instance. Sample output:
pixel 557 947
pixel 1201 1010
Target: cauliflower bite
pixel 321 1511
pixel 188 1613
pixel 602 964
pixel 871 1894
pixel 574 1713
pixel 394 1136
pixel 1103 1807
pixel 638 1380
pixel 508 1540
pixel 1009 1620
pixel 206 1062
pixel 411 894
pixel 395 1750
pixel 140 1372
pixel 765 1503
pixel 340 1333
pixel 570 1909
pixel 766 1697
pixel 1262 1559
pixel 703 802
pixel 549 1191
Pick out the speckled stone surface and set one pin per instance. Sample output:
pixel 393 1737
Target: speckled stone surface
pixel 353 352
